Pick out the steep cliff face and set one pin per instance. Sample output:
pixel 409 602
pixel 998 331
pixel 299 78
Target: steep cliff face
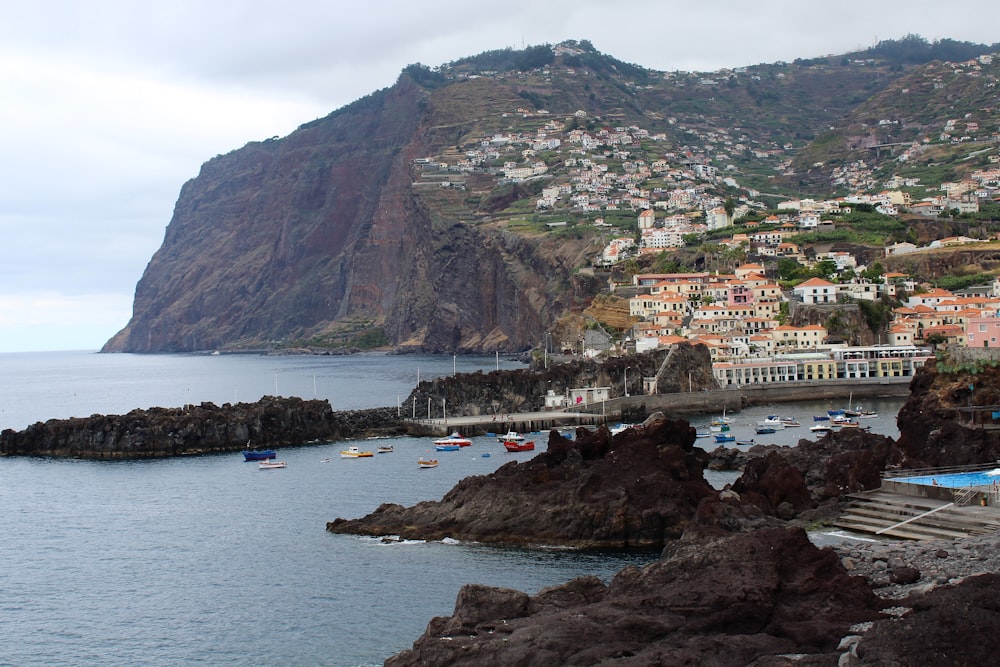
pixel 285 240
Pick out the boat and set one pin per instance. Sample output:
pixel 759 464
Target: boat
pixel 835 413
pixel 724 437
pixel 354 453
pixel 821 428
pixel 821 418
pixel 258 454
pixel 745 443
pixel 510 436
pixel 486 455
pixel 763 430
pixel 843 421
pixel 789 421
pixel 384 449
pixel 447 448
pixel 702 434
pixel 860 413
pixel 454 439
pixel 772 421
pixel 515 446
pixel 267 464
pixel 427 463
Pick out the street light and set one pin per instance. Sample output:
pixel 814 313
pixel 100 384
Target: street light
pixel 626 381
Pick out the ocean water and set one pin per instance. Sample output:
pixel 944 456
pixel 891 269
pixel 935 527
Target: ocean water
pixel 209 560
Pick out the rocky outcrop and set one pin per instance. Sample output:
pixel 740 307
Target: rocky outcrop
pixel 948 418
pixel 637 489
pixel 750 599
pixel 196 429
pixel 524 390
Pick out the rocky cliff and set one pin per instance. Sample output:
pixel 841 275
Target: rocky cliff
pixel 320 236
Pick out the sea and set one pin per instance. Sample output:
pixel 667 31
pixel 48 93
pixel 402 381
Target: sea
pixel 210 560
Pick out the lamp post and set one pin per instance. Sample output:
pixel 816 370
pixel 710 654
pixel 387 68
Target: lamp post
pixel 626 381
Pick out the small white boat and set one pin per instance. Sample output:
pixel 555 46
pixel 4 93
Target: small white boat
pixel 454 439
pixel 510 436
pixel 821 428
pixel 385 449
pixel 772 421
pixel 789 421
pixel 267 464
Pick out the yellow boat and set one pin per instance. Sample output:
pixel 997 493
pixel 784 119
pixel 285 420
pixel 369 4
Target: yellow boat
pixel 354 453
pixel 427 463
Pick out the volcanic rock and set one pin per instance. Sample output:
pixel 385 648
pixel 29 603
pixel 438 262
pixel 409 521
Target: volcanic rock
pixel 747 599
pixel 637 489
pixel 197 429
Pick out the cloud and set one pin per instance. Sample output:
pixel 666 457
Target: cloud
pixel 111 105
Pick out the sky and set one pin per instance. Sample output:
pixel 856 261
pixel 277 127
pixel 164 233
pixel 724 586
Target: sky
pixel 108 106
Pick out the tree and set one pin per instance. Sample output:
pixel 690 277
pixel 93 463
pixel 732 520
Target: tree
pixel 826 268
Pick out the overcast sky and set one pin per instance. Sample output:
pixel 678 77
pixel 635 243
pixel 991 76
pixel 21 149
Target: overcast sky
pixel 109 106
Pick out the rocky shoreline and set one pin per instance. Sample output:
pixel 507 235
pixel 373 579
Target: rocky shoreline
pixel 198 429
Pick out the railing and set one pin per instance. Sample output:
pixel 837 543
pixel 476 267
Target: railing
pixel 943 470
pixel 914 518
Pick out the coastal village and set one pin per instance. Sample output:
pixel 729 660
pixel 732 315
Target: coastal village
pixel 647 195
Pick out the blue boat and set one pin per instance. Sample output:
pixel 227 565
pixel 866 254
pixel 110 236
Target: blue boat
pixel 259 454
pixel 447 448
pixel 724 437
pixel 821 418
pixel 835 413
pixel 763 430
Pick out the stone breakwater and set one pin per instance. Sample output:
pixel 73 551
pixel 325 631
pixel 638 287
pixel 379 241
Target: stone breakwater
pixel 198 429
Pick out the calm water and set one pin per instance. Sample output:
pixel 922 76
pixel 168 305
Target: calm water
pixel 209 560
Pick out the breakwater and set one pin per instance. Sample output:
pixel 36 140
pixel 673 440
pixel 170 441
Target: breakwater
pixel 198 429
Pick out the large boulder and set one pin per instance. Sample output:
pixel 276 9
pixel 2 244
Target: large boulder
pixel 747 599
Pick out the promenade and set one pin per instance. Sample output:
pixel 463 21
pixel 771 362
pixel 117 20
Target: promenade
pixel 680 404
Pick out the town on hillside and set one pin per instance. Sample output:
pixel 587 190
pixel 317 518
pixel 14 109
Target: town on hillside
pixel 648 195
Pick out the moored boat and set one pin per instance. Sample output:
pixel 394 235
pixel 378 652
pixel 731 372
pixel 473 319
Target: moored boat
pixel 724 437
pixel 515 446
pixel 454 439
pixel 447 448
pixel 821 418
pixel 267 464
pixel 763 430
pixel 821 428
pixel 385 449
pixel 745 443
pixel 789 421
pixel 354 453
pixel 510 436
pixel 427 463
pixel 772 421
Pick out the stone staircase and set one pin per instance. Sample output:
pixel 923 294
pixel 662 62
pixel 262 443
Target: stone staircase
pixel 875 511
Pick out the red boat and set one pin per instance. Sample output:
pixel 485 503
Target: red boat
pixel 515 446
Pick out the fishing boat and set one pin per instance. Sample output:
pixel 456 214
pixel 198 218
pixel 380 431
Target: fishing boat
pixel 510 436
pixel 724 437
pixel 789 421
pixel 267 464
pixel 454 439
pixel 821 428
pixel 258 454
pixel 821 418
pixel 384 449
pixel 763 430
pixel 354 453
pixel 745 443
pixel 427 463
pixel 515 446
pixel 447 448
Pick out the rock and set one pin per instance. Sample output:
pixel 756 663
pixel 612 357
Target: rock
pixel 638 489
pixel 197 429
pixel 955 625
pixel 904 574
pixel 748 599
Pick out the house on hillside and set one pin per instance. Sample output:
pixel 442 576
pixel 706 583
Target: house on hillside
pixel 815 291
